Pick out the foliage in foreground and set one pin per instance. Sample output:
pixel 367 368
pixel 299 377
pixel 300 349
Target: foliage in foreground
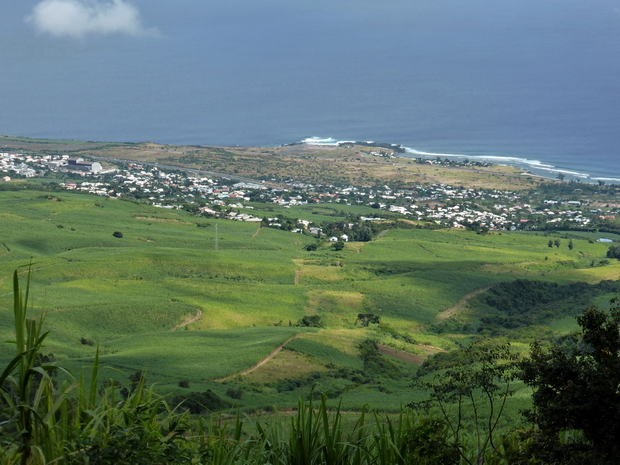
pixel 576 390
pixel 479 384
pixel 76 421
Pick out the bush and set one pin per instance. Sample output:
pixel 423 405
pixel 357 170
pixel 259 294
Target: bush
pixel 310 321
pixel 234 393
pixel 338 245
pixel 201 402
pixel 117 234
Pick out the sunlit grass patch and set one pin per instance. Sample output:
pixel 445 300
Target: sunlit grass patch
pixel 286 364
pixel 325 352
pixel 195 355
pixel 343 340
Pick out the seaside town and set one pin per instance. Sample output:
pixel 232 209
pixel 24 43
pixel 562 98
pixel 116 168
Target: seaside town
pixel 436 205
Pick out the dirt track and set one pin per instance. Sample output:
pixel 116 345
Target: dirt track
pixel 275 352
pixel 460 305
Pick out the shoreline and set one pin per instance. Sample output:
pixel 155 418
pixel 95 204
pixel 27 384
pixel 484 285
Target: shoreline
pixel 530 167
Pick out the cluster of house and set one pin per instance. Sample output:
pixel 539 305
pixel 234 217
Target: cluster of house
pixel 29 166
pixel 451 206
pixel 16 163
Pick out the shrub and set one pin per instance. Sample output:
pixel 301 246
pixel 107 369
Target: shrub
pixel 310 321
pixel 201 402
pixel 117 234
pixel 338 245
pixel 234 393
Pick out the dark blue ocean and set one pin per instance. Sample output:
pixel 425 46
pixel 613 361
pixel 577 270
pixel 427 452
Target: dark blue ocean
pixel 536 82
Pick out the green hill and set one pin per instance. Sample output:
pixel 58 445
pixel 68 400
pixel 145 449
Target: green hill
pixel 232 306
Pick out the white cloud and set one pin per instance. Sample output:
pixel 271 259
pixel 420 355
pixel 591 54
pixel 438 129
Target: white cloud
pixel 77 18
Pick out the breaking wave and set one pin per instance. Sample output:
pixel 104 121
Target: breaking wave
pixel 535 167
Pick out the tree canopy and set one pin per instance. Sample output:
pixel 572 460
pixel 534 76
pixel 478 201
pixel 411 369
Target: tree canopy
pixel 576 385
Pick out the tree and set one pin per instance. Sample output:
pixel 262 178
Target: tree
pixel 338 245
pixel 478 384
pixel 557 243
pixel 576 385
pixel 310 321
pixel 570 245
pixel 613 252
pixel 366 318
pixel 550 243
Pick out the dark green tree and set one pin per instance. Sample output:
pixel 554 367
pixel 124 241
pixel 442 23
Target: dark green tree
pixel 576 386
pixel 338 245
pixel 310 321
pixel 570 245
pixel 613 252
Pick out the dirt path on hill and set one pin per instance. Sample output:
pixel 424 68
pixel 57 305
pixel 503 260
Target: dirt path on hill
pixel 188 321
pixel 256 233
pixel 297 275
pixel 460 305
pixel 275 352
pixel 416 359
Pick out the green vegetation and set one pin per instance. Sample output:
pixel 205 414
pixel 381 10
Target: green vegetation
pixel 348 328
pixel 162 297
pixel 575 385
pixel 519 307
pixel 75 420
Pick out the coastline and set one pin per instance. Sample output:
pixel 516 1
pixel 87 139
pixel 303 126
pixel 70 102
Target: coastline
pixel 530 167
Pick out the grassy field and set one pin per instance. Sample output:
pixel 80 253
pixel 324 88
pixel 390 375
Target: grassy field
pixel 232 307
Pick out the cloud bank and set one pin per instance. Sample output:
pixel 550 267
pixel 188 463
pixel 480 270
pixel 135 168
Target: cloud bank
pixel 78 18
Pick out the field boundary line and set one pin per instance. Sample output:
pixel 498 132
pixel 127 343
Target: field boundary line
pixel 429 251
pixel 273 353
